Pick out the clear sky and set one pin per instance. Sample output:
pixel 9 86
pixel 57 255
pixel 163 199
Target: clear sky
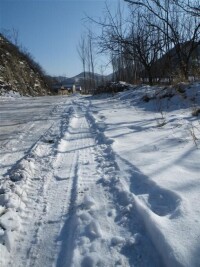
pixel 51 29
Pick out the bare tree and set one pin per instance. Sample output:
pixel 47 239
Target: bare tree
pixel 12 35
pixel 111 41
pixel 86 53
pixel 91 58
pixel 190 6
pixel 83 54
pixel 180 27
pixel 132 42
pixel 157 39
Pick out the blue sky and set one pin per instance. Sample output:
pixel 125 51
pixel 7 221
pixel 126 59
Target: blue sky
pixel 51 29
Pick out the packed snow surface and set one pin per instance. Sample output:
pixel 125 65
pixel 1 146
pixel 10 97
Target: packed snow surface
pixel 101 180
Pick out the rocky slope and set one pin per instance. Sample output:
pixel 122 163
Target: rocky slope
pixel 19 72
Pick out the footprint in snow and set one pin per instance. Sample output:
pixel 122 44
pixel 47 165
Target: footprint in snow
pixel 160 200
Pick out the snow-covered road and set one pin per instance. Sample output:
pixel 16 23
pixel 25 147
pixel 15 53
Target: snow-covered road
pixel 66 216
pixel 77 191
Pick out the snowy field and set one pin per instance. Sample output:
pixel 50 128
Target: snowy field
pixel 101 181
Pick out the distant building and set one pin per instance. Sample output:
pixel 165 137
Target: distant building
pixel 78 88
pixel 64 89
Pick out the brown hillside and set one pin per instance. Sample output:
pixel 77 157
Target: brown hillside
pixel 19 72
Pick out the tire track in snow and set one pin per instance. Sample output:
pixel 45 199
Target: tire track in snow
pixel 31 202
pixel 59 204
pixel 11 156
pixel 82 180
pixel 66 235
pixel 56 203
pixel 53 215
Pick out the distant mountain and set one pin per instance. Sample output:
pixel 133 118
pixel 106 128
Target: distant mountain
pixel 19 72
pixel 87 75
pixel 60 78
pixel 78 79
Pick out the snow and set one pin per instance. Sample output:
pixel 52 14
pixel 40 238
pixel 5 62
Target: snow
pixel 101 180
pixel 5 94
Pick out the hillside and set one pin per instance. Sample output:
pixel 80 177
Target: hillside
pixel 19 72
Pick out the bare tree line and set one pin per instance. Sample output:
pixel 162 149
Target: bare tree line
pixel 156 40
pixel 87 55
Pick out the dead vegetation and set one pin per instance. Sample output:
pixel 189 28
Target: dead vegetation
pixel 19 72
